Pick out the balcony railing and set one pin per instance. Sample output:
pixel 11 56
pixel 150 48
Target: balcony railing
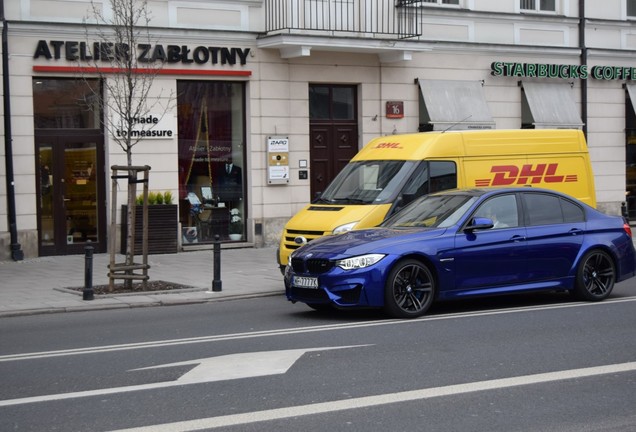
pixel 385 18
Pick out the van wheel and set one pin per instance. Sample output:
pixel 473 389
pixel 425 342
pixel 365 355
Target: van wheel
pixel 595 276
pixel 409 290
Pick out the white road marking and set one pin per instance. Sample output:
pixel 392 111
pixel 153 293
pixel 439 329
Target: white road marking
pixel 298 330
pixel 227 367
pixel 384 399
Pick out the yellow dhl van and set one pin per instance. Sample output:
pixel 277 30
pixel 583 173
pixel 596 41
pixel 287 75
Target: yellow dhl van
pixel 391 171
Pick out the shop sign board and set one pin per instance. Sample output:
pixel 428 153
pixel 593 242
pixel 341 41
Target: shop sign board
pixel 152 125
pixel 145 53
pixel 563 71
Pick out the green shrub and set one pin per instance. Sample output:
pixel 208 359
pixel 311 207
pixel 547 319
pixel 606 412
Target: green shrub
pixel 152 198
pixel 156 198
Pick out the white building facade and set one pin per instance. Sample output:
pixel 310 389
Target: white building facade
pixel 265 100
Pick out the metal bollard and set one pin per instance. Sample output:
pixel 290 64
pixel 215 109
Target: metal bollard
pixel 216 282
pixel 87 293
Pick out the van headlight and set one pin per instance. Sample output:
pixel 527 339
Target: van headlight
pixel 359 262
pixel 344 228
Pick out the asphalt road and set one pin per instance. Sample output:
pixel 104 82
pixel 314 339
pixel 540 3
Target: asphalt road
pixel 524 363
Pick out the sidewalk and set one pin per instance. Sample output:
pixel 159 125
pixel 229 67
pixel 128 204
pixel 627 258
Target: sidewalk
pixel 37 285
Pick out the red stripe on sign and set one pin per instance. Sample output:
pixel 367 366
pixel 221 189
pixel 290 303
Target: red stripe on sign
pixel 88 70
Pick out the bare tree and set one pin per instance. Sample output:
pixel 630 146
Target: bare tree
pixel 112 38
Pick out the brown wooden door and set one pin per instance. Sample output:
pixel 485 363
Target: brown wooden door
pixel 333 131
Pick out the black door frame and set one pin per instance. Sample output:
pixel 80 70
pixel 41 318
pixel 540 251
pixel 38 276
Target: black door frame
pixel 58 139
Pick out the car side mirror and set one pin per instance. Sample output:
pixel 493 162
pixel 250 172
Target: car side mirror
pixel 479 223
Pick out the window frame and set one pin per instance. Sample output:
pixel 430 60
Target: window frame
pixel 441 3
pixel 537 7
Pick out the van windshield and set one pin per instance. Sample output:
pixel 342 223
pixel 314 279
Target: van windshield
pixel 367 182
pixel 432 211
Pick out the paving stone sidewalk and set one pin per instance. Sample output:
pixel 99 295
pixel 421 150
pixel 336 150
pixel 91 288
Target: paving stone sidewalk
pixel 40 285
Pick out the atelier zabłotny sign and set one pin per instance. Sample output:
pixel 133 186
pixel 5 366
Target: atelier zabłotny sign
pixel 145 53
pixel 151 125
pixel 564 71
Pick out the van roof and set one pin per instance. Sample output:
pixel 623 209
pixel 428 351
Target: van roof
pixel 492 142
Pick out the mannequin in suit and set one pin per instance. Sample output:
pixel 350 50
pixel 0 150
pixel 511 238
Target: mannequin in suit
pixel 230 183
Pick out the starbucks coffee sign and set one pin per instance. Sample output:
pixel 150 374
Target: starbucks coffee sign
pixel 563 71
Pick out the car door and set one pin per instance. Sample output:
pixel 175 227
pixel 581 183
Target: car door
pixel 555 230
pixel 489 258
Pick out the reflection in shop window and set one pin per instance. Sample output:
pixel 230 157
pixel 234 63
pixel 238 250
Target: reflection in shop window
pixel 66 103
pixel 211 119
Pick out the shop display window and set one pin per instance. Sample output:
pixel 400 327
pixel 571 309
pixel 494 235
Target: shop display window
pixel 211 118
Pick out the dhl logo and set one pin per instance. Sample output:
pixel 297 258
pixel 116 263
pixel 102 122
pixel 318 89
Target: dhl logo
pixel 388 145
pixel 506 175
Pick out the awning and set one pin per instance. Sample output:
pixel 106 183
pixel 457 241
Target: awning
pixel 457 105
pixel 550 106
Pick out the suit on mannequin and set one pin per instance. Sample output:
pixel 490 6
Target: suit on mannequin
pixel 230 183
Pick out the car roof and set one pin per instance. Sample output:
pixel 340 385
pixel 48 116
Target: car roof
pixel 499 190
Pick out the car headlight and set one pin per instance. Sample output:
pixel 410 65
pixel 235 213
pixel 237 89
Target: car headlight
pixel 344 228
pixel 359 262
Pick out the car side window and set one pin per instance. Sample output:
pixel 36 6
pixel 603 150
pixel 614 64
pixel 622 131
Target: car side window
pixel 544 209
pixel 572 212
pixel 502 210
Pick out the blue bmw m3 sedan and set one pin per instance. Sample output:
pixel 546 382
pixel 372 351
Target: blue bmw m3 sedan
pixel 465 243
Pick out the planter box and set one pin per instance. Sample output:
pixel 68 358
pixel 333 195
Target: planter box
pixel 163 229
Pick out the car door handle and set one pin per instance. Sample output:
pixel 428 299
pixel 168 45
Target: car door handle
pixel 517 238
pixel 575 231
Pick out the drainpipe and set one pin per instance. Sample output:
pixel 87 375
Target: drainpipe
pixel 583 63
pixel 16 252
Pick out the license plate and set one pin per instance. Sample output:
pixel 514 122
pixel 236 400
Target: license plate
pixel 305 282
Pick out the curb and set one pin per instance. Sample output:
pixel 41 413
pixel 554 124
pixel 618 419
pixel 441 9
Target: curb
pixel 126 305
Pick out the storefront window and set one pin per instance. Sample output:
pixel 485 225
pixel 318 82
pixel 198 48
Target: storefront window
pixel 211 118
pixel 630 157
pixel 66 104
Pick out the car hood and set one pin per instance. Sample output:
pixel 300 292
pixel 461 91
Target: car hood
pixel 364 241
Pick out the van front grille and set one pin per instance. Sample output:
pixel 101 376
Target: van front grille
pixel 290 235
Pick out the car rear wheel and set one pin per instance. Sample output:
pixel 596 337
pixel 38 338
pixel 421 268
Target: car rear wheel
pixel 409 289
pixel 595 276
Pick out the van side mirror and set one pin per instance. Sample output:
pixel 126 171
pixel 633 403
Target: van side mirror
pixel 479 223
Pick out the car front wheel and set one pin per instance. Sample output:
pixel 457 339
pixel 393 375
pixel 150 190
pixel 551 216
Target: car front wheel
pixel 409 289
pixel 595 276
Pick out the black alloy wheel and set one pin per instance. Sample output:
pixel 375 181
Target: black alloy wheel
pixel 595 276
pixel 409 290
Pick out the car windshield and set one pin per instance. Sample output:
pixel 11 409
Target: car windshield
pixel 432 211
pixel 367 182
